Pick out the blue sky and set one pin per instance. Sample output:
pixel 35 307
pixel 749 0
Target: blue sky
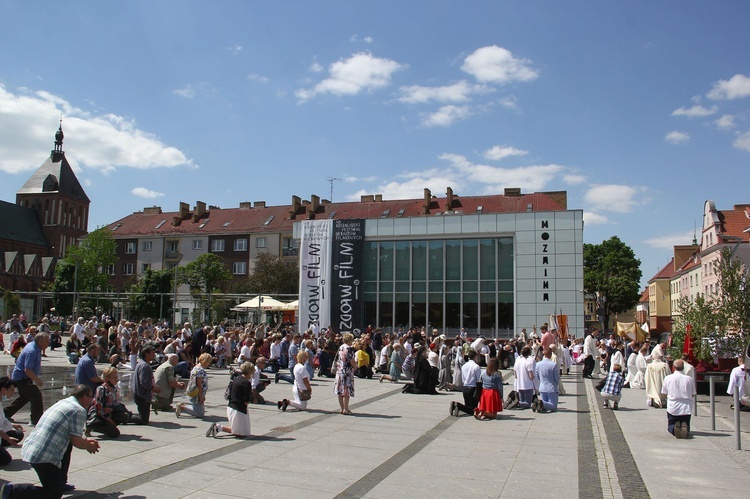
pixel 640 110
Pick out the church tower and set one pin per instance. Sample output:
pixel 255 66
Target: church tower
pixel 58 199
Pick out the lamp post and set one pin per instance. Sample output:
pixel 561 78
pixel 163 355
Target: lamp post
pixel 174 301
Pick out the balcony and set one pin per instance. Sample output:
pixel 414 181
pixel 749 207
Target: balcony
pixel 289 251
pixel 172 255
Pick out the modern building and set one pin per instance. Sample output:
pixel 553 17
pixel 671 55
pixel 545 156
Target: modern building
pixel 50 214
pixel 484 263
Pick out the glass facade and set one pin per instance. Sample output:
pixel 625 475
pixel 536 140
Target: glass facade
pixel 447 284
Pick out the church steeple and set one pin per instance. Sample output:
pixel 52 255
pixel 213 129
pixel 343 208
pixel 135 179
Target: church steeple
pixel 58 153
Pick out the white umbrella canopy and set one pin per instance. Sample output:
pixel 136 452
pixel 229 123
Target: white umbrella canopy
pixel 265 303
pixel 292 305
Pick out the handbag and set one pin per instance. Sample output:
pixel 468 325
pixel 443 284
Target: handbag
pixel 192 389
pixel 305 395
pixel 599 386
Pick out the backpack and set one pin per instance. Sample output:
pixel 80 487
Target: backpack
pixel 233 373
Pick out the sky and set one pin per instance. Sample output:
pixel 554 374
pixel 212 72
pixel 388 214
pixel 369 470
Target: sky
pixel 639 110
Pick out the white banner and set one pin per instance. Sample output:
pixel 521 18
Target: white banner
pixel 315 273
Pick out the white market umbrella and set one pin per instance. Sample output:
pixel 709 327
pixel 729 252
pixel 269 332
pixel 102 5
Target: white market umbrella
pixel 292 305
pixel 264 303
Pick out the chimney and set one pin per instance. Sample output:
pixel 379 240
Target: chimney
pixel 246 205
pixel 200 210
pixel 427 201
pixel 296 204
pixel 367 198
pixel 314 202
pixel 448 200
pixel 154 210
pixel 259 204
pixel 512 191
pixel 184 211
pixel 176 221
pixel 378 198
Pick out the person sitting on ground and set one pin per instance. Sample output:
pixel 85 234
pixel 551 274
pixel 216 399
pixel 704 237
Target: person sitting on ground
pixel 363 361
pixel 199 380
pixel 259 381
pixel 11 434
pixel 491 400
pixel 240 394
pixel 326 360
pixel 165 379
pixel 18 345
pixel 656 371
pixel 86 373
pixel 73 349
pixel 106 411
pixel 613 387
pixel 424 380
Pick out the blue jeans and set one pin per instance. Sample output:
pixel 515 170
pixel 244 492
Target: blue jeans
pixel 525 397
pixel 549 401
pixel 182 369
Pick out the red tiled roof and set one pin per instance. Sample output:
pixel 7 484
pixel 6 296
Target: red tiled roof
pixel 734 223
pixel 256 219
pixel 644 296
pixel 666 273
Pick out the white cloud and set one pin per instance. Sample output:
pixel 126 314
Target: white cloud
pixel 257 77
pixel 500 152
pixel 591 218
pixel 187 91
pixel 368 39
pixel 495 64
pixel 676 137
pixel 351 179
pixel 742 141
pixel 736 87
pixel 613 197
pixel 571 179
pixel 694 112
pixel 457 93
pixel 446 115
pixel 236 49
pixel 316 67
pixel 29 121
pixel 669 241
pixel 142 192
pixel 361 72
pixel 509 102
pixel 726 122
pixel 528 178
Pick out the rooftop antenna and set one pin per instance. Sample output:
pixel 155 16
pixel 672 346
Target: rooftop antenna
pixel 695 237
pixel 331 180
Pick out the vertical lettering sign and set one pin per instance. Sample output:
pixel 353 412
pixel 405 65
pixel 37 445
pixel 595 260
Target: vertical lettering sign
pixel 346 279
pixel 315 273
pixel 544 236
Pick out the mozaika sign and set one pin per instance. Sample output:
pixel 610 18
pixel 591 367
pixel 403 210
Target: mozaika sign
pixel 331 269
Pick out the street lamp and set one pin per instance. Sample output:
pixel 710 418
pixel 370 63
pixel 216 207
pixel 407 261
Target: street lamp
pixel 174 302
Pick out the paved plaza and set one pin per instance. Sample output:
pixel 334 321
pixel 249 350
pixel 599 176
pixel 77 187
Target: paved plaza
pixel 409 446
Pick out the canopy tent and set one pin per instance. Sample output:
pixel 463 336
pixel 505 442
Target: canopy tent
pixel 630 330
pixel 292 305
pixel 264 303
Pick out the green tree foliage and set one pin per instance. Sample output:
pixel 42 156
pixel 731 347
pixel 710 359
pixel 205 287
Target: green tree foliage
pixel 206 274
pixel 270 276
pixel 718 325
pixel 153 294
pixel 83 268
pixel 611 268
pixel 11 303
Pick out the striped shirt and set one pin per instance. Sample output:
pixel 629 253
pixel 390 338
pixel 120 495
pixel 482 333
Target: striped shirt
pixel 49 440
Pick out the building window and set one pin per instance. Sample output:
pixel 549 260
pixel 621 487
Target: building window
pixel 260 242
pixel 147 245
pixel 197 244
pixel 288 247
pixel 173 246
pixel 239 268
pixel 130 248
pixel 109 270
pixel 240 245
pixel 145 267
pixel 217 245
pixel 127 269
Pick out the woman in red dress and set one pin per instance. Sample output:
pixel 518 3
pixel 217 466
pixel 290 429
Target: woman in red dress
pixel 491 401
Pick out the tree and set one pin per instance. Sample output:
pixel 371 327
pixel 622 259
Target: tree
pixel 271 276
pixel 11 303
pixel 718 325
pixel 611 269
pixel 205 274
pixel 83 270
pixel 153 294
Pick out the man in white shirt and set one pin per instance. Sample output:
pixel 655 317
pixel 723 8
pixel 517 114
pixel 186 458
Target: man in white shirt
pixel 738 378
pixel 471 374
pixel 79 329
pixel 187 333
pixel 523 369
pixel 590 353
pixel 680 390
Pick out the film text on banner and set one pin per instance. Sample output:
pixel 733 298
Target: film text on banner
pixel 346 279
pixel 315 273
